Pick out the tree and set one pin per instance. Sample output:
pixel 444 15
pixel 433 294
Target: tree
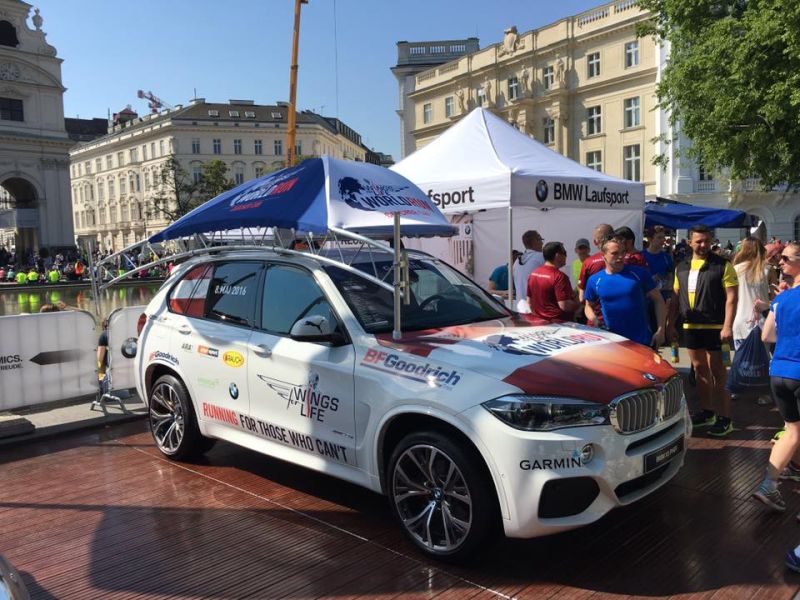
pixel 214 180
pixel 178 194
pixel 733 83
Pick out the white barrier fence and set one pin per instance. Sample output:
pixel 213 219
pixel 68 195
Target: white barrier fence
pixel 53 356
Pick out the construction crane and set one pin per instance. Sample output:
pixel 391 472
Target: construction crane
pixel 154 102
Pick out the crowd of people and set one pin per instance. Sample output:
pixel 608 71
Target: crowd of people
pixel 36 268
pixel 713 295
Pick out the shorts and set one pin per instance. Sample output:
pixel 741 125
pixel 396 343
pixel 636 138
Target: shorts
pixel 786 393
pixel 702 339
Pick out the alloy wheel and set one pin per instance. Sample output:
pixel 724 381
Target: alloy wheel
pixel 432 498
pixel 167 418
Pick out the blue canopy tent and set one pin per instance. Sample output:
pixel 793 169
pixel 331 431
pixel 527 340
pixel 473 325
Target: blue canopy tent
pixel 679 215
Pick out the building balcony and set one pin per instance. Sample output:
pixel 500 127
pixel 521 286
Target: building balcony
pixel 706 186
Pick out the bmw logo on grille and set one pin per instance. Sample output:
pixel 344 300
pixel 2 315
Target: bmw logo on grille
pixel 541 190
pixel 233 390
pixel 649 377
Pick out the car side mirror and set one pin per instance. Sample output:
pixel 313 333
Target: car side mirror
pixel 316 328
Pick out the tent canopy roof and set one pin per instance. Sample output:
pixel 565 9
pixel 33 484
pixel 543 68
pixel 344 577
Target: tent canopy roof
pixel 502 166
pixel 679 215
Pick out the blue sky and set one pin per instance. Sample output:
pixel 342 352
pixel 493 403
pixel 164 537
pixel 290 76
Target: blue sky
pixel 242 49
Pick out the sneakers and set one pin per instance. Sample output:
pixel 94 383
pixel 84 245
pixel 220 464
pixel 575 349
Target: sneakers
pixel 791 473
pixel 764 400
pixel 722 426
pixel 703 418
pixel 791 561
pixel 771 498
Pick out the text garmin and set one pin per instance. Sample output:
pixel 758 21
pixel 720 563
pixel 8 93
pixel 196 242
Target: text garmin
pixel 10 361
pixel 445 199
pixel 579 192
pixel 312 403
pixel 422 372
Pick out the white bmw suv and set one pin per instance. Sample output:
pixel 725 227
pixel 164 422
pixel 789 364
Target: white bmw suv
pixel 476 418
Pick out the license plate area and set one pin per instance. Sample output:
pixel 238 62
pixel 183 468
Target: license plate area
pixel 660 457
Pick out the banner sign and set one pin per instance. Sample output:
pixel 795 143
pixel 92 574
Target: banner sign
pixel 47 357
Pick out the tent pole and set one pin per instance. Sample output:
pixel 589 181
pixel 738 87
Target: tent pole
pixel 510 258
pixel 397 333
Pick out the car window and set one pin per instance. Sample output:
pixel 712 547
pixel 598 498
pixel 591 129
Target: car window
pixel 232 292
pixel 289 295
pixel 188 297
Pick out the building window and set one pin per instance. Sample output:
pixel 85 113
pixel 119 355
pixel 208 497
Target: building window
pixel 259 170
pixel 277 147
pixel 11 109
pixel 152 149
pixel 109 161
pixel 101 191
pixel 481 96
pixel 298 149
pixel 134 152
pixel 120 159
pixel 98 165
pixel 632 112
pixel 111 192
pixel 449 107
pixel 594 160
pixel 593 65
pixel 797 228
pixel 513 88
pixel 238 174
pixel 197 173
pixel 217 145
pixel 144 151
pixel 237 146
pixel 250 114
pixel 548 77
pixel 549 130
pixel 427 113
pixel 704 175
pixel 233 113
pixel 594 122
pixel 122 186
pixel 632 159
pixel 258 147
pixel 631 54
pixel 195 145
pixel 161 148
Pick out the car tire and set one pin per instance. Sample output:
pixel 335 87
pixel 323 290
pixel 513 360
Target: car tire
pixel 441 496
pixel 173 422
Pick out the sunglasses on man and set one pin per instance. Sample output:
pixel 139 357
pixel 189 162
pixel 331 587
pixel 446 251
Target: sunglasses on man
pixel 788 258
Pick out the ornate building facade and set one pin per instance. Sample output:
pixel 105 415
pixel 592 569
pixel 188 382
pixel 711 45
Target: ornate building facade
pixel 35 200
pixel 586 87
pixel 115 178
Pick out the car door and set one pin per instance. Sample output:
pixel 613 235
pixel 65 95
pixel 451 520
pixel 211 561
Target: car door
pixel 213 333
pixel 304 389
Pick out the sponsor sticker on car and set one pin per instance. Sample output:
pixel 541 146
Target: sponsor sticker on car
pixel 233 359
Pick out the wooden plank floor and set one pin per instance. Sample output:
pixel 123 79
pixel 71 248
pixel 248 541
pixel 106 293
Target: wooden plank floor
pixel 103 515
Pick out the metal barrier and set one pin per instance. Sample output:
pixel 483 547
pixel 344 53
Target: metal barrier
pixel 53 356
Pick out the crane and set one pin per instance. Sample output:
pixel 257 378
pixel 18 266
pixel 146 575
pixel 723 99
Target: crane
pixel 154 102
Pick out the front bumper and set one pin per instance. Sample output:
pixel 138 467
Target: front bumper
pixel 550 487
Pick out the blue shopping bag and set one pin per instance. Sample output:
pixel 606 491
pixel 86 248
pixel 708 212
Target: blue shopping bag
pixel 750 366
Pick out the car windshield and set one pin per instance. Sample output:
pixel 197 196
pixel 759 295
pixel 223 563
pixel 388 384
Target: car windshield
pixel 440 296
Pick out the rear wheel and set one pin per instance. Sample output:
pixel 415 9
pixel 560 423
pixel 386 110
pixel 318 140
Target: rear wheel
pixel 173 422
pixel 441 497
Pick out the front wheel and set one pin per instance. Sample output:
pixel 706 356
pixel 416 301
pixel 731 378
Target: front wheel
pixel 173 422
pixel 444 502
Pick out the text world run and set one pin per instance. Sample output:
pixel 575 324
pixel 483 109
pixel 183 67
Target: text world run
pixel 580 192
pixel 445 199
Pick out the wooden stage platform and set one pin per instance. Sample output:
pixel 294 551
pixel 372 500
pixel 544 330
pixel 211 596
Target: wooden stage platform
pixel 101 515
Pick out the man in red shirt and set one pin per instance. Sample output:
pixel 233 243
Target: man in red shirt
pixel 549 291
pixel 626 237
pixel 595 263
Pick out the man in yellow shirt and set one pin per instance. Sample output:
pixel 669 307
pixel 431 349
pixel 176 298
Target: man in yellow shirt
pixel 706 287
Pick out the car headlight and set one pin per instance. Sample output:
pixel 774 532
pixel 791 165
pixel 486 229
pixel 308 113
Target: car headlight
pixel 545 413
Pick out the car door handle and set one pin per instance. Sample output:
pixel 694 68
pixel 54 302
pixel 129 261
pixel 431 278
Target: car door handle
pixel 261 350
pixel 185 329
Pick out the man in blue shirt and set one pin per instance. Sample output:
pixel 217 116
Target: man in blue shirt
pixel 621 290
pixel 498 280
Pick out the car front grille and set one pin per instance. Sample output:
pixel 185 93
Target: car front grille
pixel 642 409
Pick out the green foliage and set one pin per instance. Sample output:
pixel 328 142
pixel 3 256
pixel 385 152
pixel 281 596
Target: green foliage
pixel 733 83
pixel 178 194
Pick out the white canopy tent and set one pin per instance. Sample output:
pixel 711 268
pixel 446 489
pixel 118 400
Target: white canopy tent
pixel 510 183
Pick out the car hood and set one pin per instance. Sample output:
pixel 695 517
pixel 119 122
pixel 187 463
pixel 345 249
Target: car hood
pixel 564 360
